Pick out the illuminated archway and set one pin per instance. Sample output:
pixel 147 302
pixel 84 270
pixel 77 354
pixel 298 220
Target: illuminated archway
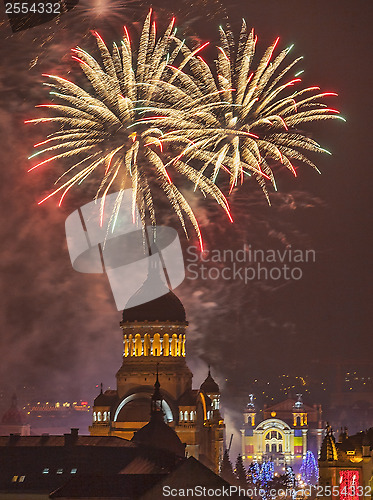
pixel 142 395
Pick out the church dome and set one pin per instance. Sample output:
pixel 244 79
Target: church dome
pixel 209 386
pixel 157 434
pixel 166 307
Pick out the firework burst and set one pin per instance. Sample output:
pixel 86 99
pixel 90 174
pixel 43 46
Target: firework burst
pixel 117 129
pixel 254 120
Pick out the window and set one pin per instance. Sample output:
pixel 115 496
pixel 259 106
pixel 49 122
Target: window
pixel 59 471
pixel 14 479
pixel 105 416
pixel 99 416
pixel 74 471
pixel 280 448
pixel 94 416
pixel 274 448
pixel 45 471
pixel 267 448
pixel 181 416
pixel 186 416
pixel 21 479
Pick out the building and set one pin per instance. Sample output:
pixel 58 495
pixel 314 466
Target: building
pixel 346 466
pixel 189 476
pixel 154 340
pixel 40 464
pixel 14 421
pixel 282 432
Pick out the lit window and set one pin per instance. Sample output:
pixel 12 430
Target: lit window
pixel 74 471
pixel 186 416
pixel 94 416
pixel 181 416
pixel 21 479
pixel 59 471
pixel 14 479
pixel 45 471
pixel 99 416
pixel 105 415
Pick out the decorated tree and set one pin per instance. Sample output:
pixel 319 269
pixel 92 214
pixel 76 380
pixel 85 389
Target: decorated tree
pixel 254 472
pixel 226 469
pixel 309 470
pixel 240 472
pixel 289 477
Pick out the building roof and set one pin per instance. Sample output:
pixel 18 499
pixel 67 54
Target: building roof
pixel 47 440
pixel 107 398
pixel 157 434
pixel 166 307
pixel 119 486
pixel 189 474
pixel 328 451
pixel 189 398
pixel 209 386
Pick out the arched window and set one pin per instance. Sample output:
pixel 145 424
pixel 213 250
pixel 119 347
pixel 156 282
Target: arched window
pixel 174 345
pixel 192 416
pixel 138 345
pixel 268 435
pixel 186 416
pixel 94 416
pixel 267 448
pixel 274 448
pixel 166 344
pixel 105 416
pixel 280 448
pixel 181 416
pixel 147 344
pixel 156 345
pixel 298 420
pixel 99 416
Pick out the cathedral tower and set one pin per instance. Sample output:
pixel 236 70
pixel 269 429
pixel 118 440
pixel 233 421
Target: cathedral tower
pixel 154 340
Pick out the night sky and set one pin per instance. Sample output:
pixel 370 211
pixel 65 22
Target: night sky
pixel 60 328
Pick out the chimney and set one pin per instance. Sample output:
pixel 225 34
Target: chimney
pixel 70 439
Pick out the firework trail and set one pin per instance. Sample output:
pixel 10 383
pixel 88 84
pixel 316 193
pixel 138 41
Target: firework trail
pixel 114 129
pixel 254 120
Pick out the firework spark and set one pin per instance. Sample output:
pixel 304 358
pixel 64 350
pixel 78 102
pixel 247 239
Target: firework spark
pixel 118 128
pixel 253 120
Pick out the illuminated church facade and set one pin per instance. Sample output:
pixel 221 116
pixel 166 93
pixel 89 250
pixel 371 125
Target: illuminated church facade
pixel 154 340
pixel 283 432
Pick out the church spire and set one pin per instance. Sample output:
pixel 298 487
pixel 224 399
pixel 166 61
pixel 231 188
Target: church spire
pixel 156 403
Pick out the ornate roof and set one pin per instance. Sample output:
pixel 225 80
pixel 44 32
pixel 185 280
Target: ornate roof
pixel 209 386
pixel 328 450
pixel 157 434
pixel 167 307
pixel 106 398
